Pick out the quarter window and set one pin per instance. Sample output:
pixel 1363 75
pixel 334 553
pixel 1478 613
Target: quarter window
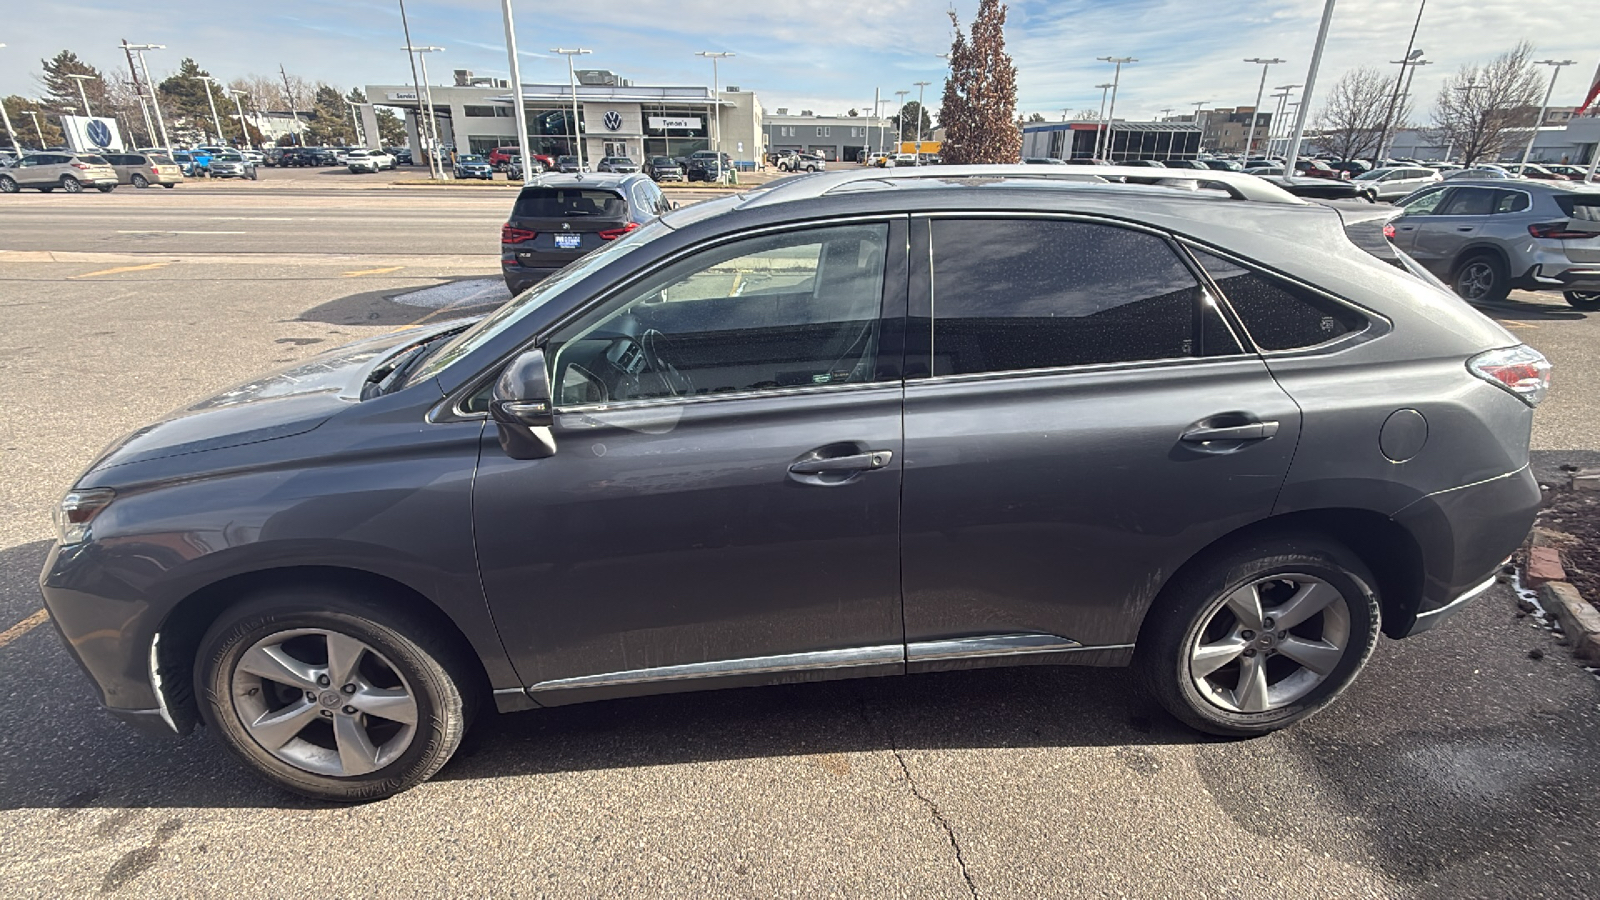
pixel 779 311
pixel 1278 315
pixel 1012 295
pixel 1510 201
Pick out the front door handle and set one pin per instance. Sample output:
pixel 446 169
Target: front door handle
pixel 1254 431
pixel 858 462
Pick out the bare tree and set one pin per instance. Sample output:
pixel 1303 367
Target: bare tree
pixel 1086 115
pixel 1353 117
pixel 1479 107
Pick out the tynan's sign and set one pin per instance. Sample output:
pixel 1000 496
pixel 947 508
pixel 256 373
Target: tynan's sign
pixel 687 123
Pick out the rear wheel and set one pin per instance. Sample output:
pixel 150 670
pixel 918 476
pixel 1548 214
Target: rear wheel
pixel 139 181
pixel 1482 279
pixel 71 185
pixel 1584 300
pixel 169 186
pixel 331 695
pixel 1261 637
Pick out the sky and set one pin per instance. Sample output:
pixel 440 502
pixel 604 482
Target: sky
pixel 823 55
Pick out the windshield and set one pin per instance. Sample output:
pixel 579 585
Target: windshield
pixel 526 302
pixel 228 156
pixel 182 157
pixel 660 161
pixel 469 159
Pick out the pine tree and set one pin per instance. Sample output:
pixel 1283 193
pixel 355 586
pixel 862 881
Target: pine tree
pixel 331 125
pixel 390 128
pixel 27 135
pixel 979 110
pixel 184 94
pixel 61 92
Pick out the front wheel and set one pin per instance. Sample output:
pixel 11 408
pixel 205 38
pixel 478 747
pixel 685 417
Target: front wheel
pixel 71 185
pixel 8 185
pixel 1587 301
pixel 1261 637
pixel 332 695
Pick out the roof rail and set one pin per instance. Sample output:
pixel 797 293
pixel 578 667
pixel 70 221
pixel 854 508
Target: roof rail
pixel 1237 185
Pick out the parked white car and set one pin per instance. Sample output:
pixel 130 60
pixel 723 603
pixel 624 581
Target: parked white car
pixel 368 160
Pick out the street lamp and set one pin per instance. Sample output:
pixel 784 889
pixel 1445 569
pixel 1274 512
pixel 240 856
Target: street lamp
pixel 1101 127
pixel 36 129
pixel 1292 155
pixel 5 119
pixel 1198 104
pixel 1255 113
pixel 716 97
pixel 1394 98
pixel 244 131
pixel 155 100
pixel 1116 80
pixel 416 87
pixel 1543 107
pixel 1411 62
pixel 427 92
pixel 211 102
pixel 80 79
pixel 900 122
pixel 521 110
pixel 921 114
pixel 1285 91
pixel 572 82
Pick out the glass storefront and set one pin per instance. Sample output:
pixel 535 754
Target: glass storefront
pixel 675 131
pixel 550 130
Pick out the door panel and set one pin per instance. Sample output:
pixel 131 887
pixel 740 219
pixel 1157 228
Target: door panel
pixel 1455 222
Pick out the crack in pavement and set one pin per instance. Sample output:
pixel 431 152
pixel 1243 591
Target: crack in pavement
pixel 938 816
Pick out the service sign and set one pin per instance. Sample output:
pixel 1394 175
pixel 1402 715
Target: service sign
pixel 91 134
pixel 402 95
pixel 688 123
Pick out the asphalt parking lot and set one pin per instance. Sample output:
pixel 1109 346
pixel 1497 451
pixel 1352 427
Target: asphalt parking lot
pixel 1458 766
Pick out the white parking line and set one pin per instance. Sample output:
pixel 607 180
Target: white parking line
pixel 167 231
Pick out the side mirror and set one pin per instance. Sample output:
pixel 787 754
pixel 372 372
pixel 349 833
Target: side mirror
pixel 521 408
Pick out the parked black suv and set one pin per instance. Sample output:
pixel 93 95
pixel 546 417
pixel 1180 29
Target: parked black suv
pixel 702 166
pixel 745 444
pixel 563 217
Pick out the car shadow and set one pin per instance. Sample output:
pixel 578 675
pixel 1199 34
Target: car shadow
pixel 379 308
pixel 1538 310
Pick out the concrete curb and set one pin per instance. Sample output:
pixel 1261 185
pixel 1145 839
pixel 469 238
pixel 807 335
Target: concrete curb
pixel 1578 619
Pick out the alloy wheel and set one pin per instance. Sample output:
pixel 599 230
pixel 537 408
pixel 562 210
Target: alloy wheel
pixel 1475 280
pixel 324 702
pixel 71 185
pixel 1269 643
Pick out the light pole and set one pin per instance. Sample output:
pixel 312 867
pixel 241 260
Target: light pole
pixel 716 97
pixel 1292 155
pixel 1197 106
pixel 416 88
pixel 155 100
pixel 1100 128
pixel 138 91
pixel 900 123
pixel 82 95
pixel 521 111
pixel 5 119
pixel 211 102
pixel 1285 91
pixel 1116 80
pixel 572 82
pixel 1543 107
pixel 1394 97
pixel 1255 112
pixel 433 119
pixel 1405 94
pixel 921 115
pixel 244 130
pixel 355 121
pixel 36 129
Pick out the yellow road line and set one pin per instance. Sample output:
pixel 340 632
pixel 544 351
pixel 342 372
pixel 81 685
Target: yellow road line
pixel 119 269
pixel 1515 324
pixel 373 271
pixel 23 627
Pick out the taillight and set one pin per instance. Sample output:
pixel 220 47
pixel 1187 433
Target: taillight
pixel 79 165
pixel 1521 370
pixel 1561 231
pixel 612 234
pixel 1388 230
pixel 510 235
pixel 154 170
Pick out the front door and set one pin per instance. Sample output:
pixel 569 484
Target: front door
pixel 1080 420
pixel 1457 220
pixel 1416 212
pixel 724 503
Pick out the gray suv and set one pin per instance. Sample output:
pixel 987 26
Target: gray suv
pixel 1486 238
pixel 849 424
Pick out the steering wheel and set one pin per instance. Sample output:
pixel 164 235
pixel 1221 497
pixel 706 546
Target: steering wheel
pixel 653 342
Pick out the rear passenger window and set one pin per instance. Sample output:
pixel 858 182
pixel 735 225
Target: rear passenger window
pixel 1278 315
pixel 1020 294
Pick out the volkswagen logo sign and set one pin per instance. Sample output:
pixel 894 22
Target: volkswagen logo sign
pixel 613 121
pixel 99 134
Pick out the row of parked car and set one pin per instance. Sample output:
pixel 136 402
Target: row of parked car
pixel 74 173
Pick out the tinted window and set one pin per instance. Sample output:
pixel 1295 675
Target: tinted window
pixel 1510 201
pixel 1033 294
pixel 1579 206
pixel 1468 202
pixel 777 311
pixel 1424 203
pixel 1278 315
pixel 558 203
pixel 159 159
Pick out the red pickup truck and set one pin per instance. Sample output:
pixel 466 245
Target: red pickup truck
pixel 500 157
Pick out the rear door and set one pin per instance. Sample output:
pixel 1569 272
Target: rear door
pixel 1080 419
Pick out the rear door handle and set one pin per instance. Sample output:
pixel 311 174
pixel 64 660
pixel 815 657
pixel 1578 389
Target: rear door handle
pixel 1254 431
pixel 1466 228
pixel 858 462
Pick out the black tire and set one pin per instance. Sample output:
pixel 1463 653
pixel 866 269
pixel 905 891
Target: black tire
pixel 433 672
pixel 1481 278
pixel 8 185
pixel 47 189
pixel 107 188
pixel 1588 301
pixel 139 181
pixel 169 186
pixel 71 185
pixel 1194 612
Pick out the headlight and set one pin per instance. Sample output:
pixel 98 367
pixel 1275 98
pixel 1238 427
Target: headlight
pixel 77 509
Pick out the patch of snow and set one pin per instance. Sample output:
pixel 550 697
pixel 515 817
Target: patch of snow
pixel 470 292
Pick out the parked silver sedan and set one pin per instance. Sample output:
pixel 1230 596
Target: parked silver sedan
pixel 1394 182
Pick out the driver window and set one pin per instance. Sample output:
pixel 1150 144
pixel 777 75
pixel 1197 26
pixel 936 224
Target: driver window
pixel 777 311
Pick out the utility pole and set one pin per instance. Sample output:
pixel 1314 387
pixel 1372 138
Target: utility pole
pixel 572 83
pixel 155 99
pixel 716 97
pixel 1116 80
pixel 211 101
pixel 149 131
pixel 1255 113
pixel 877 109
pixel 1543 107
pixel 1100 127
pixel 521 111
pixel 922 114
pixel 416 86
pixel 1394 98
pixel 5 119
pixel 1293 153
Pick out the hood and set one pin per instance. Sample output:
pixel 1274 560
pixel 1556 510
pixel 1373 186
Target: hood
pixel 281 404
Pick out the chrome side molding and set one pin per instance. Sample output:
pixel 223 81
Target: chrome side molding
pixel 989 645
pixel 885 654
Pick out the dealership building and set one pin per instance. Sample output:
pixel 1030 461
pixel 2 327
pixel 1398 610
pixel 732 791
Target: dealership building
pixel 615 117
pixel 1122 140
pixel 835 137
